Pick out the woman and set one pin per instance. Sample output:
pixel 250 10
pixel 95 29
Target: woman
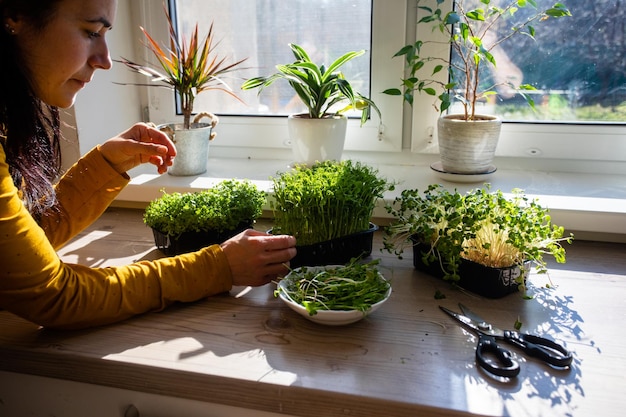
pixel 50 50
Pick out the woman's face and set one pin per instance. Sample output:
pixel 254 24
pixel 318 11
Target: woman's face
pixel 63 56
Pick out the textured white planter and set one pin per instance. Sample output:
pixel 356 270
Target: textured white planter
pixel 468 147
pixel 192 145
pixel 314 140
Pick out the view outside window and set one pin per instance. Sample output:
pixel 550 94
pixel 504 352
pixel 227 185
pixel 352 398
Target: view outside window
pixel 577 64
pixel 261 31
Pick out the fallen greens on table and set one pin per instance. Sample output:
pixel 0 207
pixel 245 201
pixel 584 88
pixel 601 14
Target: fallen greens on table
pixel 355 286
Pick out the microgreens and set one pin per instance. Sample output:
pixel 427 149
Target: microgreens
pixel 220 208
pixel 355 286
pixel 327 200
pixel 481 226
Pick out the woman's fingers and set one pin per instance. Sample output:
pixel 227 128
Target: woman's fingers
pixel 139 144
pixel 255 258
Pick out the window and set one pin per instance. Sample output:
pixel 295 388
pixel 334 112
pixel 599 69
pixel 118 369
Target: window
pixel 564 65
pixel 261 30
pixel 590 73
pixel 262 34
pixel 577 64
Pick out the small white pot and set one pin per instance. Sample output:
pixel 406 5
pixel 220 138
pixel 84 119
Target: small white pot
pixel 314 140
pixel 468 147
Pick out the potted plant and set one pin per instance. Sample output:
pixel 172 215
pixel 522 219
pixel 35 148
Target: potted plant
pixel 475 30
pixel 184 222
pixel 190 69
pixel 319 134
pixel 328 207
pixel 468 238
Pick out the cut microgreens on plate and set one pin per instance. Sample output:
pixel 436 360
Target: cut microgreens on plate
pixel 355 286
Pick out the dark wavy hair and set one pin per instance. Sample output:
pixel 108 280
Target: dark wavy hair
pixel 29 128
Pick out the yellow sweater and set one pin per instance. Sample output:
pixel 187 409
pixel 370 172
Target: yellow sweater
pixel 36 285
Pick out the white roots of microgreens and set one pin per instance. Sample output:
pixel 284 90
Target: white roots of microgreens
pixel 491 248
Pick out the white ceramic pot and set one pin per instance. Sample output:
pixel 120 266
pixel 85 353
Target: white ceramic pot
pixel 192 145
pixel 468 147
pixel 314 140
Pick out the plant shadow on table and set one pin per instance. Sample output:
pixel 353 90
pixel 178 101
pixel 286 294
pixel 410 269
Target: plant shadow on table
pixel 554 387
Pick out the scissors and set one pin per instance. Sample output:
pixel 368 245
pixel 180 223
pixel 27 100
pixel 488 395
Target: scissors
pixel 488 335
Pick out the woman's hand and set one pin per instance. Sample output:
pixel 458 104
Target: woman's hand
pixel 139 144
pixel 256 258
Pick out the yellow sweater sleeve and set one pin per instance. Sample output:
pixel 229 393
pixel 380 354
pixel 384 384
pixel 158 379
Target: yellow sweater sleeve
pixel 83 193
pixel 36 285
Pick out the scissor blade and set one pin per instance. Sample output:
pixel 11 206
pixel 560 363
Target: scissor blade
pixel 479 323
pixel 460 317
pixel 478 326
pixel 469 313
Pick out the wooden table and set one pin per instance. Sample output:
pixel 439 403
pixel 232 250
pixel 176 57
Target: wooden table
pixel 246 353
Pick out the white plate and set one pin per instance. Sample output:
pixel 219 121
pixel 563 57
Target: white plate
pixel 465 178
pixel 328 317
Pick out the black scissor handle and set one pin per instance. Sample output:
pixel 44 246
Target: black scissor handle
pixel 504 365
pixel 540 348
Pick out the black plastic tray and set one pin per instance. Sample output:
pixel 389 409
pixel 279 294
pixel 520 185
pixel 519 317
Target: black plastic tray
pixel 338 251
pixel 479 279
pixel 193 241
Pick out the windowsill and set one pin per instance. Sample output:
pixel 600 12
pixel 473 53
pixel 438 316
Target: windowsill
pixel 592 206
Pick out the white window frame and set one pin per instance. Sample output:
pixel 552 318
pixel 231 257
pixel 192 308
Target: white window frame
pixel 561 141
pixel 270 133
pixel 581 147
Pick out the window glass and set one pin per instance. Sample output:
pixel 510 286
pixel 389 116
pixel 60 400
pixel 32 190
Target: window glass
pixel 261 31
pixel 580 76
pixel 577 64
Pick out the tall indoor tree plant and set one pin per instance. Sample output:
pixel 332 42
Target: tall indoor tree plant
pixel 327 95
pixel 475 30
pixel 189 68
